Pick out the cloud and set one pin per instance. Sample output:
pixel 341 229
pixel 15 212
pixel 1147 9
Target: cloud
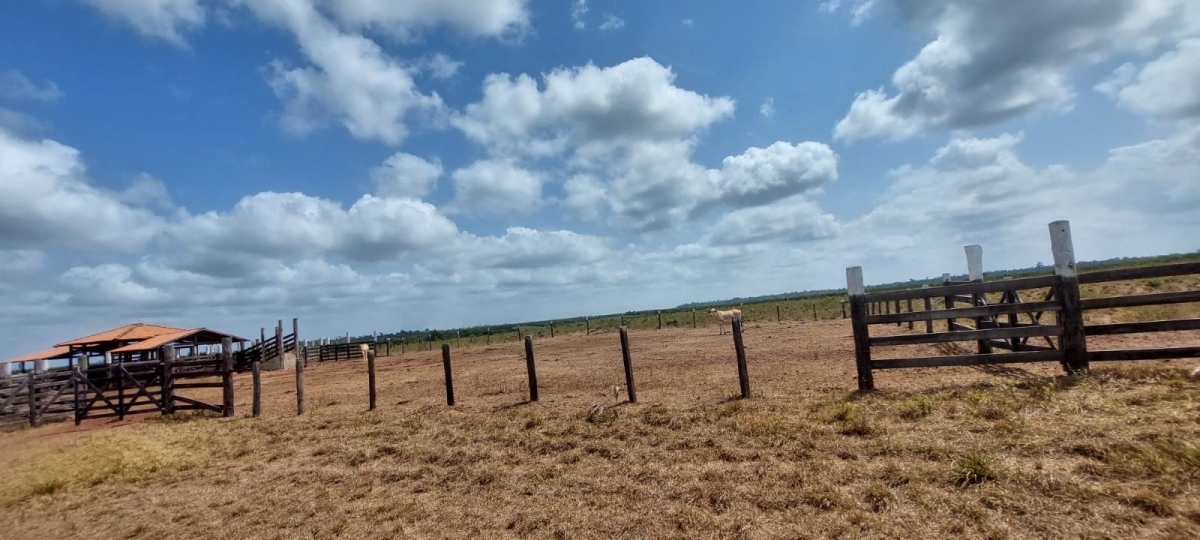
pixel 147 192
pixel 585 196
pixel 767 109
pixel 494 186
pixel 405 20
pixel 45 198
pixel 859 9
pixel 109 284
pixel 762 175
pixel 350 80
pixel 406 175
pixel 795 220
pixel 688 23
pixel 997 59
pixel 611 22
pixel 1168 87
pixel 272 224
pixel 19 124
pixel 440 66
pixel 17 262
pixel 14 85
pixel 579 11
pixel 590 108
pixel 168 20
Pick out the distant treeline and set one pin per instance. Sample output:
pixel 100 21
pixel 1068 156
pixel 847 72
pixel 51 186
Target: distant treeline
pixel 1038 269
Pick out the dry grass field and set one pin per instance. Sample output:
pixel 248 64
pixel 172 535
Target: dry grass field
pixel 1008 452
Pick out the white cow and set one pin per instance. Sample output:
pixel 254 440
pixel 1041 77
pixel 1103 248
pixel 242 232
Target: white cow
pixel 364 348
pixel 724 317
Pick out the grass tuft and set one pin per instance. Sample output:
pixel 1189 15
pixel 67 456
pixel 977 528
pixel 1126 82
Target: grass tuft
pixel 974 468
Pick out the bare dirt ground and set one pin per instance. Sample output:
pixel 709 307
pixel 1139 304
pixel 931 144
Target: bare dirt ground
pixel 1013 451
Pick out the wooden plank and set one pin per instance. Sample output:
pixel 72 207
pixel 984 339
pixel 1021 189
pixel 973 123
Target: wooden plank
pixel 959 327
pixel 969 360
pixel 627 363
pixel 1037 282
pixel 967 335
pixel 198 374
pixel 965 313
pixel 1145 354
pixel 1153 299
pixel 448 374
pixel 185 386
pixel 1142 327
pixel 1145 272
pixel 1074 338
pixel 968 300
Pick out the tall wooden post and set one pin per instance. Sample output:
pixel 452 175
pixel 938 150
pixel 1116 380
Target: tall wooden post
pixel 489 335
pixel 587 326
pixel 743 372
pixel 449 378
pixel 551 329
pixel 975 274
pixel 1074 340
pixel 371 378
pixel 843 309
pixel 533 389
pixel 77 379
pixel 627 360
pixel 227 377
pixel 299 388
pixel 518 333
pixel 256 374
pixel 858 321
pixel 778 317
pixel 31 383
pixel 910 310
pixel 948 301
pixel 622 319
pixel 928 308
pixel 301 355
pixel 693 317
pixel 897 311
pixel 167 388
pixel 814 311
pixel 120 369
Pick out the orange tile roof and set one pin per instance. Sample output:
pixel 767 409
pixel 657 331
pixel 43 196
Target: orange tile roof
pixel 159 341
pixel 48 354
pixel 129 332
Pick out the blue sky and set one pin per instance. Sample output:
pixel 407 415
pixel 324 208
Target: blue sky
pixel 379 165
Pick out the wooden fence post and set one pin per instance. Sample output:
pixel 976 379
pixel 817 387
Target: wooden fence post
pixel 76 378
pixel 622 319
pixel 533 390
pixel 897 311
pixel 815 311
pixel 587 326
pixel 740 350
pixel 489 335
pixel 627 360
pixel 975 274
pixel 449 378
pixel 168 380
pixel 227 377
pixel 843 309
pixel 120 369
pixel 928 307
pixel 778 317
pixel 371 378
pixel 518 333
pixel 256 374
pixel 948 301
pixel 551 329
pixel 299 388
pixel 693 317
pixel 858 313
pixel 301 355
pixel 32 394
pixel 660 320
pixel 1074 340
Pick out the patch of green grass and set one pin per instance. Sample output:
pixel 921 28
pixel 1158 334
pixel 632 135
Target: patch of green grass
pixel 974 468
pixel 918 407
pixel 1185 453
pixel 47 487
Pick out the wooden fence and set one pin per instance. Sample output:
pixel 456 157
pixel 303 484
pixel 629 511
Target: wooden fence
pixel 272 347
pixel 119 389
pixel 999 316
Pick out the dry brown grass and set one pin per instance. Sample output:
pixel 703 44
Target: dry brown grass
pixel 1012 452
